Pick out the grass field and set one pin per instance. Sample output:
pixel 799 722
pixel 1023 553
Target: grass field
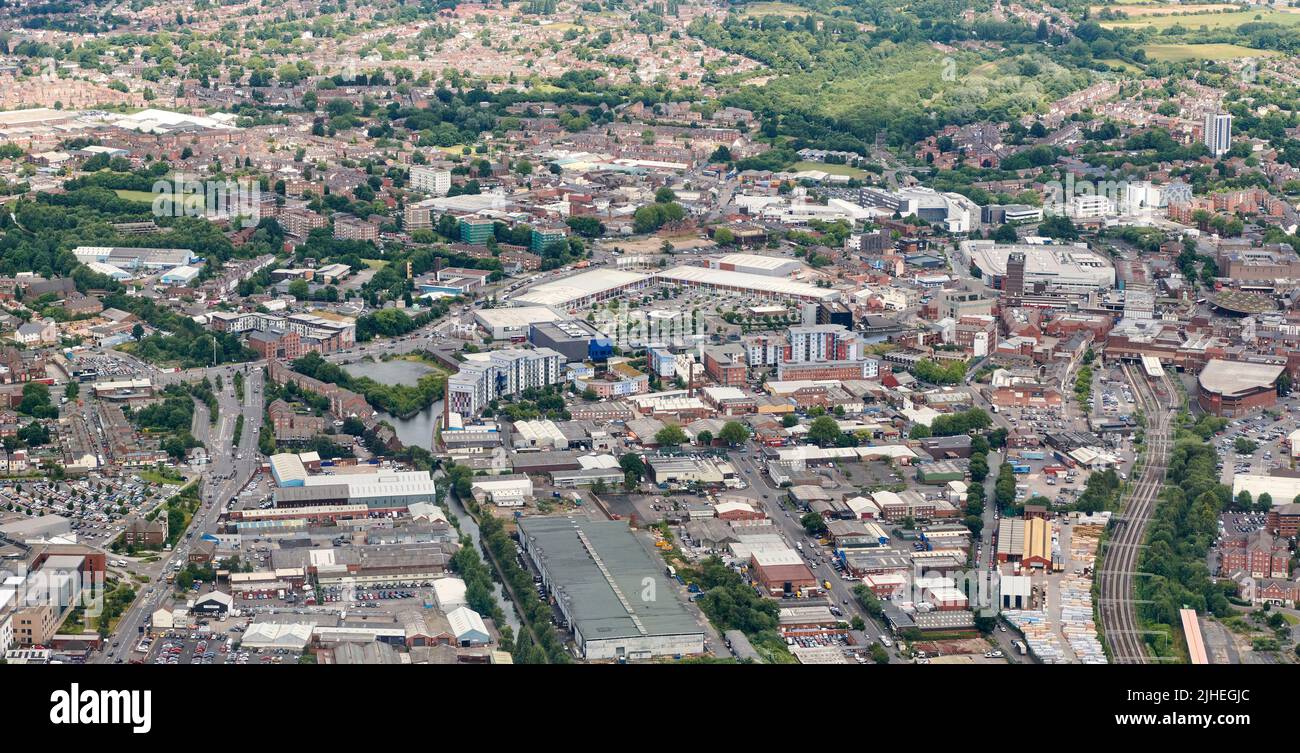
pixel 154 477
pixel 147 197
pixel 1162 9
pixel 1178 53
pixel 1210 20
pixel 852 172
pixel 755 10
pixel 375 263
pixel 1123 64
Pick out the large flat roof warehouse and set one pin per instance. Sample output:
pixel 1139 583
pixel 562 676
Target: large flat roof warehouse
pixel 515 316
pixel 119 256
pixel 740 282
pixel 583 288
pixel 1283 489
pixel 163 121
pixel 1235 377
pixel 34 116
pixel 288 470
pixel 616 597
pixel 369 487
pixel 775 266
pixel 473 203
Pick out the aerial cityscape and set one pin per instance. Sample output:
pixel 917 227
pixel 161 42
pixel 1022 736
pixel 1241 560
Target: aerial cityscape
pixel 642 332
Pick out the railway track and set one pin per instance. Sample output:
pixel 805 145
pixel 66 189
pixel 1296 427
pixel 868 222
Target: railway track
pixel 1118 612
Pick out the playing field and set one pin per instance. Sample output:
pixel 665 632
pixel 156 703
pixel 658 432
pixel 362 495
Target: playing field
pixel 1178 53
pixel 852 172
pixel 147 197
pixel 1210 20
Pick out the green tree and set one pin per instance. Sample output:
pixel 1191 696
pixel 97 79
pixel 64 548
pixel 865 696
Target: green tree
pixel 733 433
pixel 824 431
pixel 813 523
pixel 671 435
pixel 631 463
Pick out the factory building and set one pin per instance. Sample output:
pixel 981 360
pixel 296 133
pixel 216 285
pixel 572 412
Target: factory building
pixel 612 595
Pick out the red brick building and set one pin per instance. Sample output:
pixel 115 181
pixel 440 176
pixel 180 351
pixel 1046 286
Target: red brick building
pixel 1260 555
pixel 781 573
pixel 286 346
pixel 1237 388
pixel 726 366
pixel 1284 520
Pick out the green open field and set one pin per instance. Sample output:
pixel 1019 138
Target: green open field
pixel 1122 64
pixel 852 172
pixel 147 197
pixel 154 477
pixel 755 10
pixel 1134 10
pixel 1177 53
pixel 1210 20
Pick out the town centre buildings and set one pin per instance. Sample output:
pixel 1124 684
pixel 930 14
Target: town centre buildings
pixel 582 290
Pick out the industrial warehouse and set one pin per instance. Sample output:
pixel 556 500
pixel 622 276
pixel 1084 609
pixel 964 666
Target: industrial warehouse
pixel 613 596
pixel 375 488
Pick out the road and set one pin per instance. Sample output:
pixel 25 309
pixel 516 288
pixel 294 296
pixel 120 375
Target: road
pixel 1118 613
pixel 792 531
pixel 229 470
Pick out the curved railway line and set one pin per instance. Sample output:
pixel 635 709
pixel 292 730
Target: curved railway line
pixel 1118 612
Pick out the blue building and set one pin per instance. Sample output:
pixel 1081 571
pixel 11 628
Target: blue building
pixel 575 339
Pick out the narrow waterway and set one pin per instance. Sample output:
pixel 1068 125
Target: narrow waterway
pixel 468 526
pixel 417 431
